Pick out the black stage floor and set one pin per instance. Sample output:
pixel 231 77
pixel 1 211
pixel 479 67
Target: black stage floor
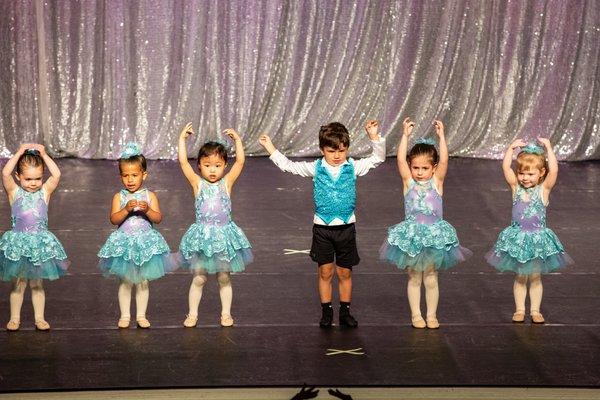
pixel 276 340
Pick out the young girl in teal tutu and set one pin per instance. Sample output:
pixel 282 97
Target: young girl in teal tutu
pixel 29 251
pixel 135 252
pixel 527 247
pixel 423 243
pixel 214 244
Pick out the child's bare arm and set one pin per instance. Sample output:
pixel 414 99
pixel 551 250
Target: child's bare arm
pixel 552 173
pixel 240 158
pixel 52 182
pixel 509 174
pixel 151 210
pixel 118 214
pixel 7 178
pixel 182 156
pixel 403 166
pixel 442 167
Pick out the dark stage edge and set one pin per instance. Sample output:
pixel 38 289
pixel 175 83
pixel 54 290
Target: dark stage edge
pixel 276 340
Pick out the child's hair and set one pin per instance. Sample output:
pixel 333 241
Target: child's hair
pixel 210 148
pixel 30 158
pixel 334 135
pixel 136 159
pixel 423 149
pixel 528 161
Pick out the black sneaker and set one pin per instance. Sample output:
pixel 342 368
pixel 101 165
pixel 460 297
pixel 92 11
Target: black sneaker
pixel 348 320
pixel 326 318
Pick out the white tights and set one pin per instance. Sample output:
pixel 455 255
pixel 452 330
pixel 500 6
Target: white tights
pixel 142 293
pixel 38 298
pixel 536 291
pixel 225 292
pixel 429 278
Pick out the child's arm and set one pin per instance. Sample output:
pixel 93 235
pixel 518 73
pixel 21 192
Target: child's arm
pixel 442 167
pixel 302 168
pixel 403 167
pixel 240 158
pixel 186 168
pixel 362 166
pixel 509 174
pixel 152 211
pixel 7 178
pixel 118 214
pixel 52 182
pixel 552 173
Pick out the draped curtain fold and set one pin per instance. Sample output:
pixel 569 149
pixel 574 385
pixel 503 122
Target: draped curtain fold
pixel 84 77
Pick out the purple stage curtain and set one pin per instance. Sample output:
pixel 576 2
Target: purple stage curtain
pixel 84 77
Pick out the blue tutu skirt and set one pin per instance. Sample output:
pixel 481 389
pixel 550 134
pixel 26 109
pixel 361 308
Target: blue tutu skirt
pixel 528 252
pixel 211 248
pixel 421 246
pixel 136 257
pixel 31 255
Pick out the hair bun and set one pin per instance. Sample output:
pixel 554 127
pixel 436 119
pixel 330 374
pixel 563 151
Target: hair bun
pixel 131 150
pixel 32 152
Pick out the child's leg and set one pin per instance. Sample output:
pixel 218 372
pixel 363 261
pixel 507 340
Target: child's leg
pixel 225 292
pixel 16 301
pixel 520 292
pixel 413 291
pixel 142 293
pixel 38 299
pixel 535 296
pixel 125 300
pixel 344 283
pixel 432 291
pixel 325 277
pixel 195 294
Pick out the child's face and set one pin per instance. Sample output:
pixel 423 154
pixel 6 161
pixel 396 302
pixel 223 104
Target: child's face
pixel 335 157
pixel 421 168
pixel 132 176
pixel 212 167
pixel 530 177
pixel 30 178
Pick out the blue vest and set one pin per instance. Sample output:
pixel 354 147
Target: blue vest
pixel 334 198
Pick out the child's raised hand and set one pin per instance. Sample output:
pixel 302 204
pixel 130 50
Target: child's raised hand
pixel 233 135
pixel 518 143
pixel 372 128
pixel 265 141
pixel 186 131
pixel 439 127
pixel 545 142
pixel 131 205
pixel 408 126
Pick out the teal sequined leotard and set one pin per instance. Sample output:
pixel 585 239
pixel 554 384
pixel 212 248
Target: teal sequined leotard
pixel 424 239
pixel 527 246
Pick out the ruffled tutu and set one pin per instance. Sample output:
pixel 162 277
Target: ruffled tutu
pixel 528 252
pixel 419 246
pixel 212 248
pixel 31 255
pixel 136 257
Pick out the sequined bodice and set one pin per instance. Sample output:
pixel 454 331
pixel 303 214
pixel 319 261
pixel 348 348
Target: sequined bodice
pixel 29 211
pixel 213 205
pixel 423 203
pixel 529 211
pixel 136 221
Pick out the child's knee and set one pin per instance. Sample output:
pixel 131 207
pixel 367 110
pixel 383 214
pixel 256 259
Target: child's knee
pixel 19 285
pixel 325 274
pixel 143 285
pixel 224 278
pixel 35 284
pixel 344 274
pixel 199 280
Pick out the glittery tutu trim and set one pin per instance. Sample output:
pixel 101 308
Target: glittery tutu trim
pixel 525 246
pixel 504 262
pixel 137 248
pixel 154 268
pixel 440 259
pixel 35 247
pixel 25 269
pixel 199 262
pixel 213 248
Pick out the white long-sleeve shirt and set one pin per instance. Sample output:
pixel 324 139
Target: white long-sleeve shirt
pixel 308 168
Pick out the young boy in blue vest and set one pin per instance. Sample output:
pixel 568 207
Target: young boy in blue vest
pixel 334 194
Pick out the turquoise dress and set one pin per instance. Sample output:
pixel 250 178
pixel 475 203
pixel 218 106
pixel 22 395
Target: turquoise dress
pixel 29 250
pixel 424 238
pixel 136 251
pixel 214 243
pixel 527 246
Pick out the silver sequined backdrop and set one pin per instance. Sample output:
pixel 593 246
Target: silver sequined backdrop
pixel 85 76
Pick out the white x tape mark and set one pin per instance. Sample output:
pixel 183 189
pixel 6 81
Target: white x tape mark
pixel 292 251
pixel 354 352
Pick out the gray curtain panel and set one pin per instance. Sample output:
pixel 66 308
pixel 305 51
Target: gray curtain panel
pixel 84 77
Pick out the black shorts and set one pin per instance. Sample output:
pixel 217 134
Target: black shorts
pixel 335 243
